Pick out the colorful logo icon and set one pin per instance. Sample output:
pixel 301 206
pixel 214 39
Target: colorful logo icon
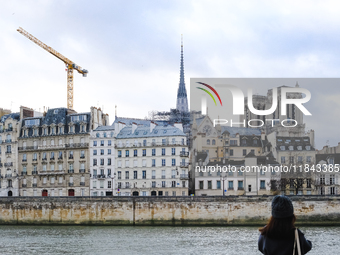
pixel 211 88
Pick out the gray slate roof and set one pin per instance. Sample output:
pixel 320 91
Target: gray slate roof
pixel 15 116
pixel 142 132
pixel 240 130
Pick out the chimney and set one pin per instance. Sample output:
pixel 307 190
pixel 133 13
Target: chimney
pixel 179 126
pixel 119 126
pixel 134 126
pixel 152 126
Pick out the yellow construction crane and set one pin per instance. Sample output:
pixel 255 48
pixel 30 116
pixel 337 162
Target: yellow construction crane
pixel 69 64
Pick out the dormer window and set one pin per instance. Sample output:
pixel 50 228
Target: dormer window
pixel 61 130
pixel 104 134
pixel 331 161
pixel 308 148
pixel 299 148
pixel 282 148
pixel 35 132
pixel 291 148
pixel 45 131
pixel 52 130
pixel 25 132
pixel 71 128
pixel 83 128
pixel 97 135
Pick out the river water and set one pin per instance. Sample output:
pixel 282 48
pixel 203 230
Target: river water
pixel 149 240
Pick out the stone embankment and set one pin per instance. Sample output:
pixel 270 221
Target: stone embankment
pixel 185 211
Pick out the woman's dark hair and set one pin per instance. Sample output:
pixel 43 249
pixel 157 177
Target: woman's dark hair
pixel 279 227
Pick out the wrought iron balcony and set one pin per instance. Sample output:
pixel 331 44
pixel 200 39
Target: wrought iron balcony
pixel 34 185
pixel 82 183
pixel 8 175
pixel 82 170
pixel 70 184
pixel 24 185
pixel 24 160
pixel 184 154
pixel 101 176
pixel 8 152
pixel 184 176
pixel 34 172
pixel 184 164
pixel 8 164
pixel 23 173
pixel 71 171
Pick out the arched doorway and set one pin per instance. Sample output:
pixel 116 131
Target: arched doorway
pixel 135 193
pixel 44 193
pixel 71 192
pixel 10 193
pixel 153 193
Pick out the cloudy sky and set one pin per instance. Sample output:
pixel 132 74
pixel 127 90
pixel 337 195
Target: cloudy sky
pixel 132 51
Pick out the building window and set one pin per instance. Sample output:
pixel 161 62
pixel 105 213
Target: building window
pixel 308 159
pixel 119 154
pixel 208 142
pixel 135 175
pixel 101 142
pixel 231 152
pixel 291 159
pixel 153 162
pixel 244 152
pixel 102 152
pixel 173 151
pixel 127 153
pixel 119 175
pixel 173 184
pixel 163 162
pixel 144 152
pixel 173 162
pixel 213 142
pixel 233 142
pixel 299 159
pixel 332 179
pixel 262 184
pixel 218 184
pixel 94 152
pixel 144 174
pixel 109 184
pixel 126 174
pixel 163 151
pixel 240 185
pixel 283 160
pixel 109 143
pixel 109 162
pixel 153 152
pixel 94 162
pixel 94 143
pixel 230 184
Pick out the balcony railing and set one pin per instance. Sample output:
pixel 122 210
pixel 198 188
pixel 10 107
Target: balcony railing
pixel 71 171
pixel 240 188
pixel 70 184
pixel 82 170
pixel 101 176
pixel 34 185
pixel 9 129
pixel 184 154
pixel 8 164
pixel 8 152
pixel 8 176
pixel 52 158
pixel 149 144
pixel 184 176
pixel 83 156
pixel 44 159
pixel 82 183
pixel 8 140
pixel 34 172
pixel 24 160
pixel 76 145
pixel 9 186
pixel 23 173
pixel 163 176
pixel 24 185
pixel 184 164
pixel 153 177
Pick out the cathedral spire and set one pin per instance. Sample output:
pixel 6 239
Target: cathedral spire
pixel 182 100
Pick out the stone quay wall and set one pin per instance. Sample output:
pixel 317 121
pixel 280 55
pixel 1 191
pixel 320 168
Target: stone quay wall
pixel 185 211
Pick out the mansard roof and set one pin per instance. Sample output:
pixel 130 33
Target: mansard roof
pixel 15 116
pixel 144 132
pixel 288 141
pixel 233 131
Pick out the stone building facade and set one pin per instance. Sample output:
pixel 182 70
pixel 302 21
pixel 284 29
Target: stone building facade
pixel 102 161
pixel 151 160
pixel 9 174
pixel 54 152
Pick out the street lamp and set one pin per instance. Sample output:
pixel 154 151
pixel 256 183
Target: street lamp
pixel 222 178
